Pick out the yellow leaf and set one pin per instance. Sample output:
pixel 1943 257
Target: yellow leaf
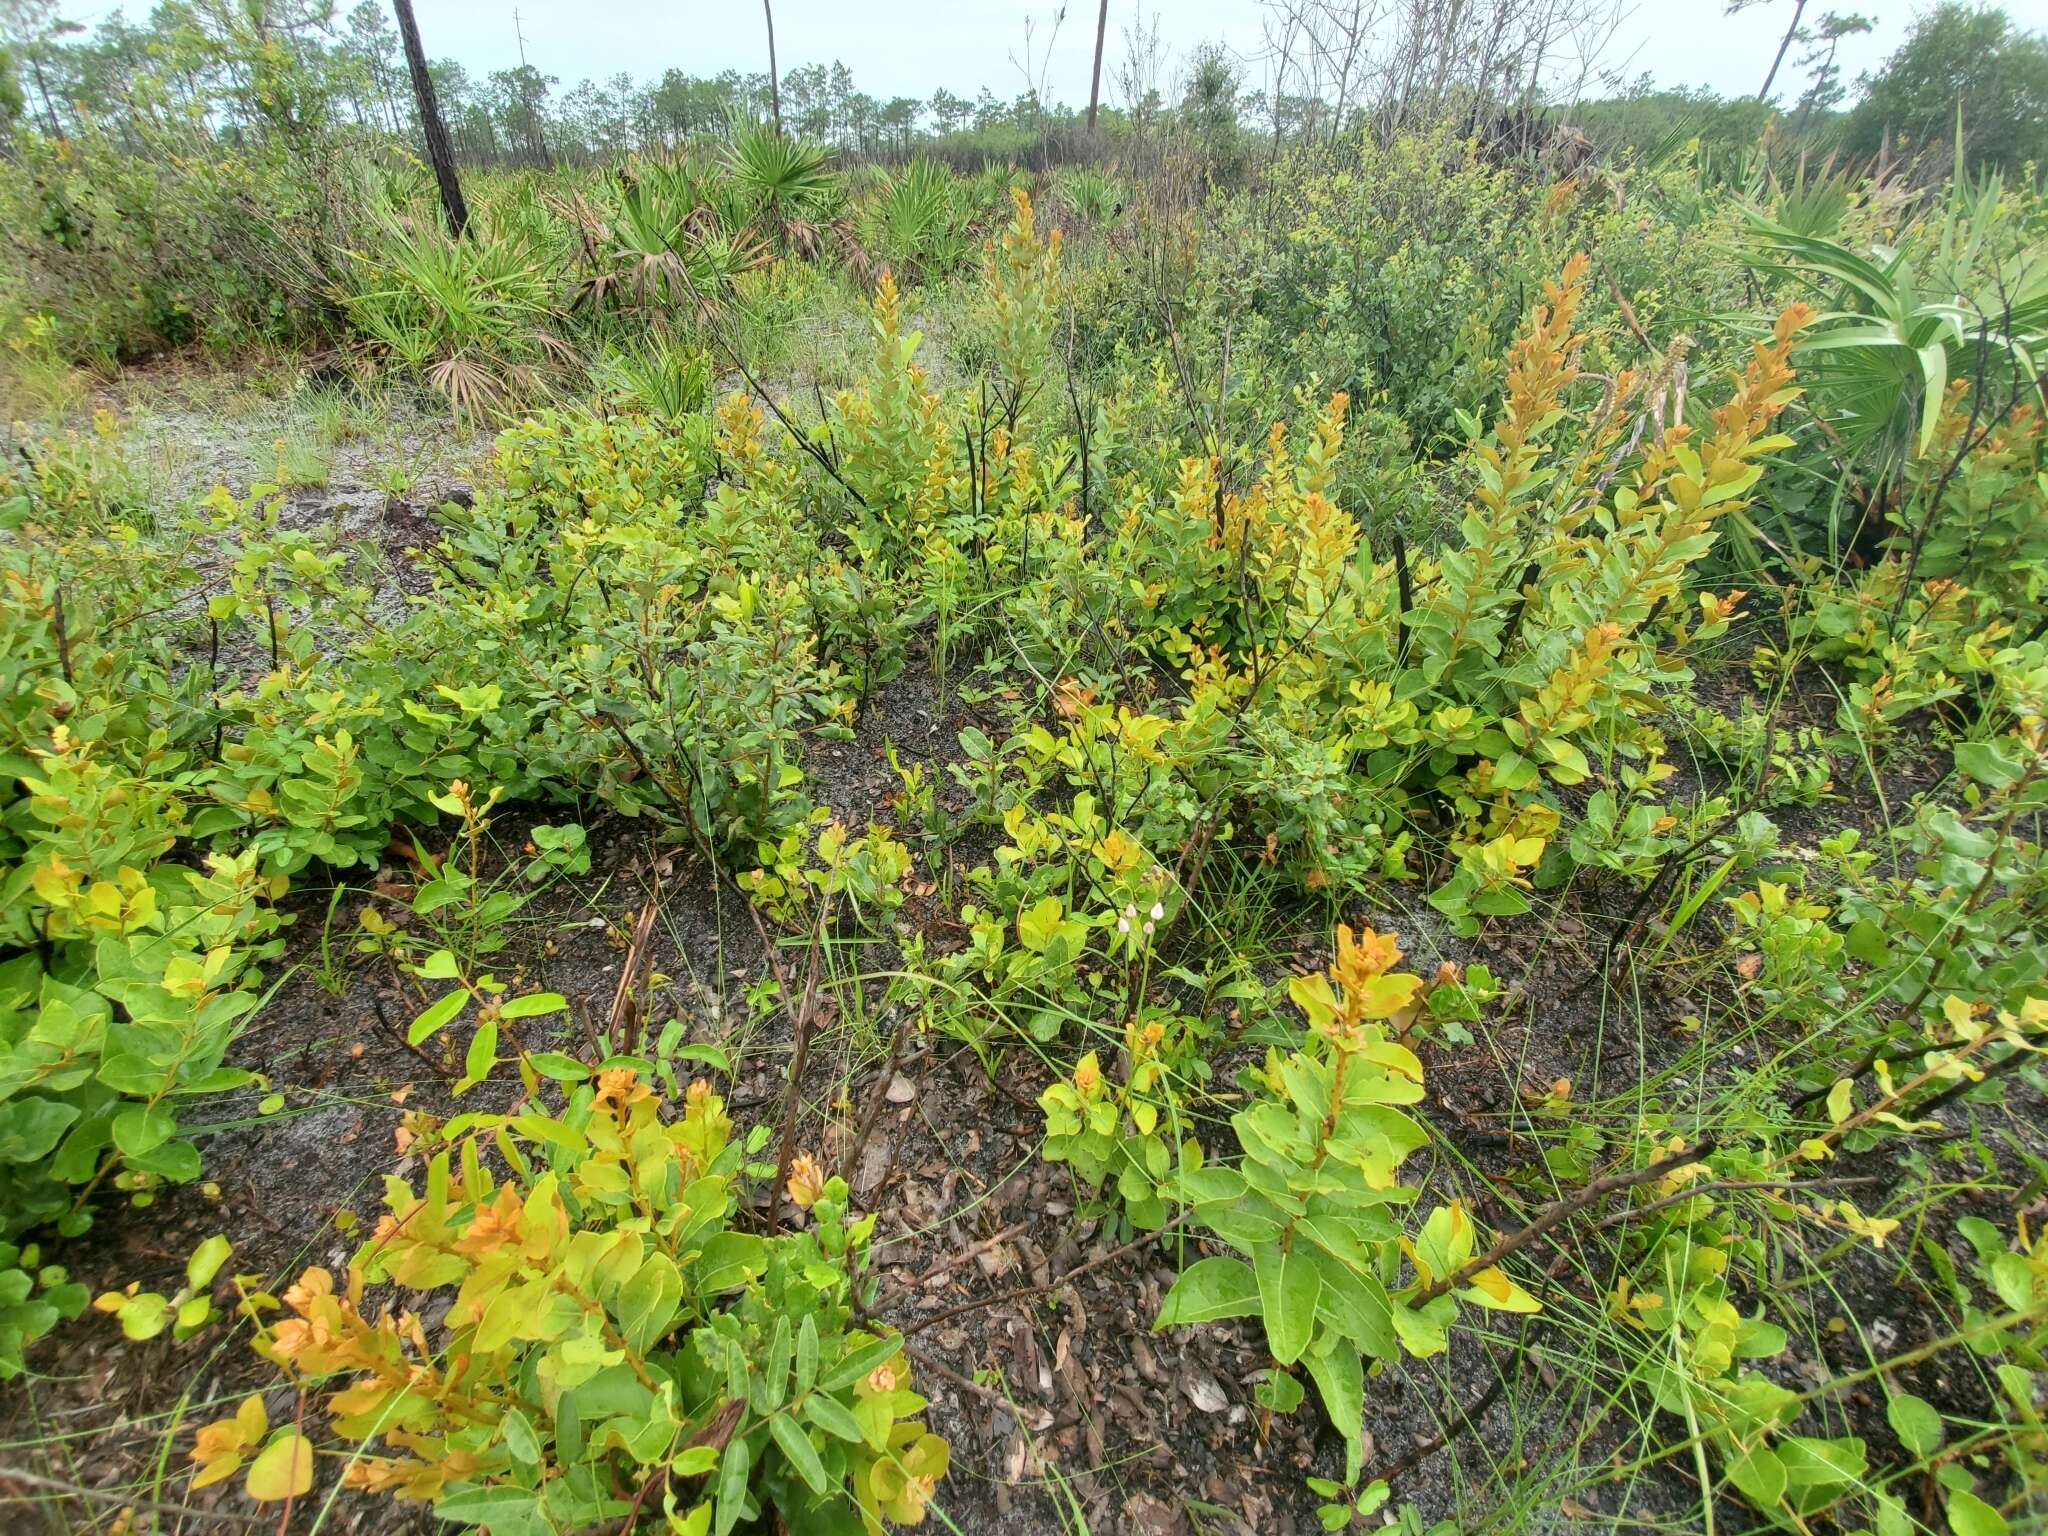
pixel 1839 1102
pixel 1498 1293
pixel 284 1470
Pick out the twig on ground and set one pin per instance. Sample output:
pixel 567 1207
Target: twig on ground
pixel 1561 1211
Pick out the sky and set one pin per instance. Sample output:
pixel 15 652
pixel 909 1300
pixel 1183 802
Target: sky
pixel 913 47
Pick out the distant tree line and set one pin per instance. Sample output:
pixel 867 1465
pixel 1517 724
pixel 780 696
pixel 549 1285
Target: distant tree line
pixel 1327 68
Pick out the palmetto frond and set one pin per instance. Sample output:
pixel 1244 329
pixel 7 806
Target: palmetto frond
pixel 1880 360
pixel 784 177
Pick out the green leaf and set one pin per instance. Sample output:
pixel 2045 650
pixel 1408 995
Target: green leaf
pixel 499 1507
pixel 141 1130
pixel 520 1439
pixel 1279 1392
pixel 771 1370
pixel 796 1445
pixel 806 1354
pixel 553 1064
pixel 1288 1288
pixel 1037 924
pixel 1866 941
pixel 1207 1290
pixel 1760 1476
pixel 1811 1462
pixel 863 1360
pixel 481 1056
pixel 1969 1515
pixel 436 1016
pixel 648 1302
pixel 735 1462
pixel 145 1316
pixel 833 1417
pixel 712 1056
pixel 29 1128
pixel 206 1261
pixel 729 1259
pixel 1339 1374
pixel 1989 762
pixel 441 965
pixel 1915 1421
pixel 534 1005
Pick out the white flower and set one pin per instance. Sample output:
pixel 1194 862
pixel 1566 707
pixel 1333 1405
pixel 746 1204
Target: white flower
pixel 1158 910
pixel 1148 928
pixel 1123 925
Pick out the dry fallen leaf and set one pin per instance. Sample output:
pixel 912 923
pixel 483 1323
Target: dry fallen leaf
pixel 1203 1392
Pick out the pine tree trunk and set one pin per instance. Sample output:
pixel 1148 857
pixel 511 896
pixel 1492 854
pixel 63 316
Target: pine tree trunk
pixel 1798 10
pixel 1095 78
pixel 774 78
pixel 439 153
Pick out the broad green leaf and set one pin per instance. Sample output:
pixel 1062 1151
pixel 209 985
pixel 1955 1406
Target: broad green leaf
pixel 145 1316
pixel 520 1439
pixel 1339 1374
pixel 1037 924
pixel 553 1064
pixel 863 1360
pixel 1288 1287
pixel 206 1261
pixel 498 1507
pixel 1811 1462
pixel 141 1130
pixel 29 1127
pixel 713 1056
pixel 1990 762
pixel 441 965
pixel 1969 1515
pixel 1760 1476
pixel 730 1259
pixel 1207 1290
pixel 1915 1421
pixel 647 1303
pixel 436 1016
pixel 481 1056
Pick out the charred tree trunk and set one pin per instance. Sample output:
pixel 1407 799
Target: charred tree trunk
pixel 439 153
pixel 1095 78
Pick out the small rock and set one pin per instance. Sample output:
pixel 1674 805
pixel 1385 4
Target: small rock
pixel 901 1089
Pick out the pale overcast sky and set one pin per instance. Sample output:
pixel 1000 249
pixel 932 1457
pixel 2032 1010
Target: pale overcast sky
pixel 912 47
